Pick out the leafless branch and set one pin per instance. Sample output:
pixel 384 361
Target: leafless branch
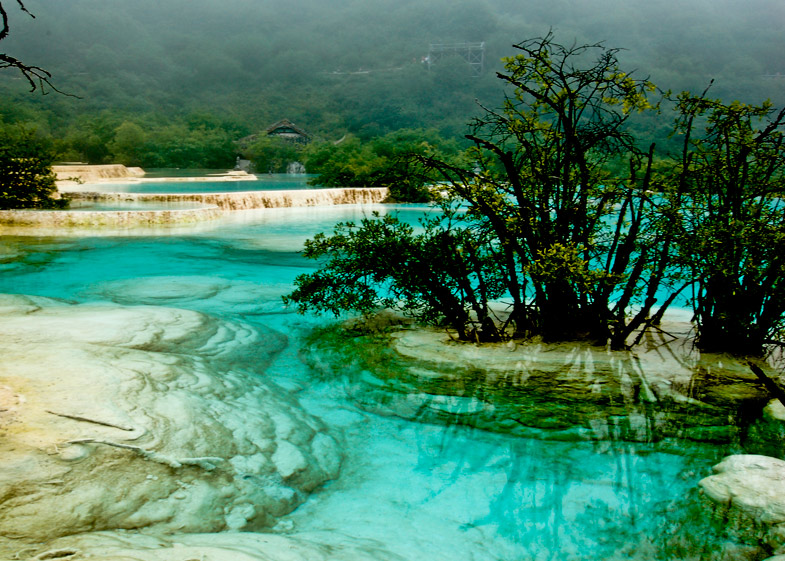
pixel 4 18
pixel 37 77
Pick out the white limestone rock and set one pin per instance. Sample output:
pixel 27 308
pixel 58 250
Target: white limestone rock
pixel 144 417
pixel 747 491
pixel 752 484
pixel 227 546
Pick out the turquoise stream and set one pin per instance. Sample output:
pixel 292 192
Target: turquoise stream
pixel 265 182
pixel 422 491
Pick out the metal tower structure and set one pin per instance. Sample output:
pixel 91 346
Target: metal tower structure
pixel 472 53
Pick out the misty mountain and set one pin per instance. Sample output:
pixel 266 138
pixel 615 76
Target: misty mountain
pixel 336 66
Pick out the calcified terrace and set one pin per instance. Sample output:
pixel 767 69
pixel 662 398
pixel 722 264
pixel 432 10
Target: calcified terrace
pixel 247 200
pixel 124 210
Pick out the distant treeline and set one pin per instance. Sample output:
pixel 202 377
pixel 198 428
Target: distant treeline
pixel 189 77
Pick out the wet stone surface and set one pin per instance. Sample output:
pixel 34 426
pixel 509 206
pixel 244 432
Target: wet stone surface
pixel 146 418
pixel 560 392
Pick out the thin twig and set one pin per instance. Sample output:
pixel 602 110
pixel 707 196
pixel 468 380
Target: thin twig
pixel 37 77
pixel 205 462
pixel 87 420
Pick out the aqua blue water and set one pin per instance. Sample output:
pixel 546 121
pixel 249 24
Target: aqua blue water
pixel 265 182
pixel 423 491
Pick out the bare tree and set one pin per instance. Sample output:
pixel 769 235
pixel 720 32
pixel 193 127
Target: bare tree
pixel 37 77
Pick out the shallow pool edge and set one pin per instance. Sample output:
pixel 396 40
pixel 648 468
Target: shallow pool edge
pixel 214 205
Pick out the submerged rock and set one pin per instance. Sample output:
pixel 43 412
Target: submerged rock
pixel 241 297
pixel 567 391
pixel 144 417
pixel 766 436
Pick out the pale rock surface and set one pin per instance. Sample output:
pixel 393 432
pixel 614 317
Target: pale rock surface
pixel 71 174
pixel 227 546
pixel 246 200
pixel 748 492
pixel 75 177
pixel 210 292
pixel 775 411
pixel 145 417
pixel 752 484
pixel 208 208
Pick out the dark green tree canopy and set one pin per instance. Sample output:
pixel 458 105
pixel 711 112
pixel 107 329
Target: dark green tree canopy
pixel 563 227
pixel 541 204
pixel 26 178
pixel 394 160
pixel 732 174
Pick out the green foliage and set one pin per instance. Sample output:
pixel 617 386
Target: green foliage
pixel 175 58
pixel 273 155
pixel 732 172
pixel 183 146
pixel 26 178
pixel 347 163
pixel 560 183
pixel 89 139
pixel 549 220
pixel 578 228
pixel 434 275
pixel 193 141
pixel 362 71
pixel 583 233
pixel 128 143
pixel 393 161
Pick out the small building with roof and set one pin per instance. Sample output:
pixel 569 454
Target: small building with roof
pixel 286 130
pixel 283 130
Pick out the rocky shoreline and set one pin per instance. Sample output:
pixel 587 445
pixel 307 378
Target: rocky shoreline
pixel 659 391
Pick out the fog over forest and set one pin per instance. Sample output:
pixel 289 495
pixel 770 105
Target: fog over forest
pixel 357 66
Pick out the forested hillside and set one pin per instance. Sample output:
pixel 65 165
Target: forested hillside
pixel 193 75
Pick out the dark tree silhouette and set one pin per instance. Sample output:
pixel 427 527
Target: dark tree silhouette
pixel 36 76
pixel 554 214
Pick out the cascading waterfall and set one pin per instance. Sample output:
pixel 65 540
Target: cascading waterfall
pixel 295 168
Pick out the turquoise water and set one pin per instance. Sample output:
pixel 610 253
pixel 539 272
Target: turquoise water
pixel 265 182
pixel 423 491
